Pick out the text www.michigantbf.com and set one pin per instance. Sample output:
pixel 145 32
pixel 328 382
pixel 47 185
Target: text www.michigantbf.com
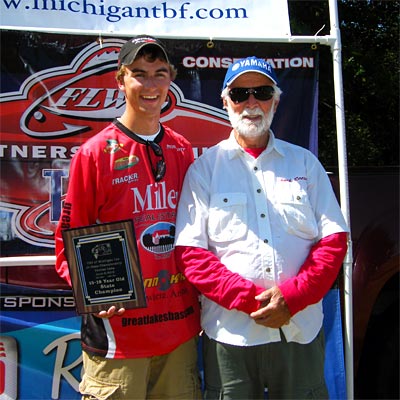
pixel 114 13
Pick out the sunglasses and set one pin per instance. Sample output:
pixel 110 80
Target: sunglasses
pixel 263 93
pixel 160 167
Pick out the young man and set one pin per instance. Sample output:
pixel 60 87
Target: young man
pixel 260 234
pixel 134 169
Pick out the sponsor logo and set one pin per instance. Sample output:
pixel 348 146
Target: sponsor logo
pixel 163 281
pixel 159 238
pixel 31 303
pixel 66 105
pixel 126 179
pixel 126 162
pixel 157 318
pixel 8 367
pixel 295 179
pixel 112 146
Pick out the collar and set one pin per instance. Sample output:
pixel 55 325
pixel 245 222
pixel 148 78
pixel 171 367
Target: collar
pixel 235 150
pixel 135 137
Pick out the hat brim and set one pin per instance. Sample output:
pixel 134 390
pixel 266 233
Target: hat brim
pixel 250 70
pixel 131 55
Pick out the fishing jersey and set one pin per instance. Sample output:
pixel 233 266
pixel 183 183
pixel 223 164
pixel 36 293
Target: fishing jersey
pixel 111 179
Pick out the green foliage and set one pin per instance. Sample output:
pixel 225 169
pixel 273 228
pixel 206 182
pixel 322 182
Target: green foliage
pixel 370 62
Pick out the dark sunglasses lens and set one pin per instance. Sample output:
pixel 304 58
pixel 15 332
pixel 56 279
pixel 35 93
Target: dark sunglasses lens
pixel 239 95
pixel 263 93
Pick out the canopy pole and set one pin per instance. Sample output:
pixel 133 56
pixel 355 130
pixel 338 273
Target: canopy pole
pixel 344 194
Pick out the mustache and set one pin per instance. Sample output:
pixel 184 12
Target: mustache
pixel 254 112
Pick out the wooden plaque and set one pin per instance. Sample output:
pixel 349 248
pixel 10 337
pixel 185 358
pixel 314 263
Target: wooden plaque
pixel 104 266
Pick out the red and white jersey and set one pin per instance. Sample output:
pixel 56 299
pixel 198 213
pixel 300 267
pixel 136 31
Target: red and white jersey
pixel 111 179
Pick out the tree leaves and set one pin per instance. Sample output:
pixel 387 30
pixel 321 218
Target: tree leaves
pixel 370 62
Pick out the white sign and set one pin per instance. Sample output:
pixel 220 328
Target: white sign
pixel 210 19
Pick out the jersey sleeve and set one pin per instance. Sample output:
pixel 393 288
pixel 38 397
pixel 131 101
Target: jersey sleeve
pixel 79 206
pixel 317 274
pixel 212 279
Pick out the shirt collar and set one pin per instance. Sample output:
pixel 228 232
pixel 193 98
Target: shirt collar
pixel 274 144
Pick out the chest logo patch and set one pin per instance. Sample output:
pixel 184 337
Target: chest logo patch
pixel 112 146
pixel 126 162
pixel 159 238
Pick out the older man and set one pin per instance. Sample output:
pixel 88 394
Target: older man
pixel 261 236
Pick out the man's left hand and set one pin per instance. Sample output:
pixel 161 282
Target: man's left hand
pixel 110 312
pixel 274 312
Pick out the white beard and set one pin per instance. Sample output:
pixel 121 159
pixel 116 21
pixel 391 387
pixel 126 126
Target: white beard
pixel 249 128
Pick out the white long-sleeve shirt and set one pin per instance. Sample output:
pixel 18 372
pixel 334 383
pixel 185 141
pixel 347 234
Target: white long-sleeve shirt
pixel 260 217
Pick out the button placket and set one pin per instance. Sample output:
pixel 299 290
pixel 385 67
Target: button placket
pixel 261 210
pixel 257 176
pixel 260 191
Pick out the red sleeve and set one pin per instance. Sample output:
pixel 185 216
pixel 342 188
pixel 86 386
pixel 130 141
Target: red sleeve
pixel 79 207
pixel 211 278
pixel 317 274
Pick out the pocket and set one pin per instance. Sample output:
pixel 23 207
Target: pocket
pixel 297 214
pixel 227 218
pixel 93 388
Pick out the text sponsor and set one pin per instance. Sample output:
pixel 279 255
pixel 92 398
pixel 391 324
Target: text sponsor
pixel 204 62
pixel 154 197
pixel 27 303
pixel 157 318
pixel 164 280
pixel 25 151
pixel 116 13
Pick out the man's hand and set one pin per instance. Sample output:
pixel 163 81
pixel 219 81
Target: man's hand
pixel 274 311
pixel 110 312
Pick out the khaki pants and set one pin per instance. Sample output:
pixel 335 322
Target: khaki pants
pixel 171 376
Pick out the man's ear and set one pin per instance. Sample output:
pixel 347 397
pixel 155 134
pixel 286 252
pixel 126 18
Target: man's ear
pixel 120 83
pixel 276 105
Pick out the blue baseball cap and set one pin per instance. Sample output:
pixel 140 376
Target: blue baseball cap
pixel 249 64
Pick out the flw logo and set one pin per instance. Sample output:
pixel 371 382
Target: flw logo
pixel 56 110
pixel 70 100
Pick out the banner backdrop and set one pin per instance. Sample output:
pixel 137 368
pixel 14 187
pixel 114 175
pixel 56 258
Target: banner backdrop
pixel 41 357
pixel 196 19
pixel 58 90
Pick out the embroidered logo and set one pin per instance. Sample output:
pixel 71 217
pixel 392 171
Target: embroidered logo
pixel 159 238
pixel 126 162
pixel 112 146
